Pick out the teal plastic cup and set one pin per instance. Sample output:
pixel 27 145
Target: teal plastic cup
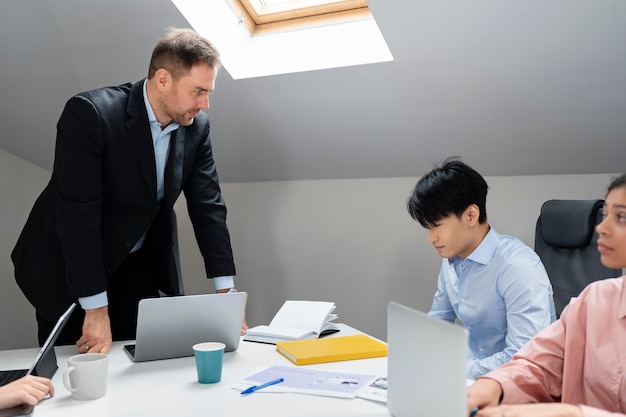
pixel 209 358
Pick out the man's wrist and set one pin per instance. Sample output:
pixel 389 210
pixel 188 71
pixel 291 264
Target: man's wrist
pixel 97 311
pixel 226 290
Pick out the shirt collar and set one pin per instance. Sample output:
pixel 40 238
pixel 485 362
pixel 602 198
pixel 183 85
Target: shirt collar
pixel 151 116
pixel 486 249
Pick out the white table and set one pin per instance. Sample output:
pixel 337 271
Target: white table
pixel 170 388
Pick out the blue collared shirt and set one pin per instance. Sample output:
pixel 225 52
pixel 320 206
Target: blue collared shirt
pixel 500 293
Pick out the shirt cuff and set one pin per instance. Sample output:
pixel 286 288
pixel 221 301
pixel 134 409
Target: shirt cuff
pixel 94 301
pixel 222 283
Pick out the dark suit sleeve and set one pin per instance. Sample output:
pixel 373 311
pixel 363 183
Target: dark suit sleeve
pixel 78 186
pixel 207 209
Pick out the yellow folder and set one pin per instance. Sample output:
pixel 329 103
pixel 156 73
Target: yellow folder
pixel 331 349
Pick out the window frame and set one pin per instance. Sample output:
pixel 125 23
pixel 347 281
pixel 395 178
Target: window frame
pixel 283 17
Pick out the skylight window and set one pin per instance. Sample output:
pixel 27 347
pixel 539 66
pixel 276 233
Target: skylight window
pixel 263 16
pixel 300 35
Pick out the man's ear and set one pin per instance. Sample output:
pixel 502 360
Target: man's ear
pixel 163 79
pixel 473 213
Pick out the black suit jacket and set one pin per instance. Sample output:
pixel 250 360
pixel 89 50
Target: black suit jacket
pixel 102 198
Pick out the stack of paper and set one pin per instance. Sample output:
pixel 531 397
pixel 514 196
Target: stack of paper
pixel 296 320
pixel 308 381
pixel 376 391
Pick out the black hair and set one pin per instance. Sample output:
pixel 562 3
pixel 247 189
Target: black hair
pixel 448 189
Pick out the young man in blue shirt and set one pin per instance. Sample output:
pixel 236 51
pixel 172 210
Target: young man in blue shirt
pixel 494 284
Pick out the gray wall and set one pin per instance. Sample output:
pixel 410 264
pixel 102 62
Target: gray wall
pixel 347 241
pixel 20 184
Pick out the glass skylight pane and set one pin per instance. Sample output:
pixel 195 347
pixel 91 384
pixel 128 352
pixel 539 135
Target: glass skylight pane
pixel 296 4
pixel 273 6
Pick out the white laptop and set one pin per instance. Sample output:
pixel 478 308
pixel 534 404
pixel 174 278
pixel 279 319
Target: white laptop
pixel 427 365
pixel 168 327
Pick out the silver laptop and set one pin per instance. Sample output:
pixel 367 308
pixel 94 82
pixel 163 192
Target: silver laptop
pixel 427 365
pixel 168 327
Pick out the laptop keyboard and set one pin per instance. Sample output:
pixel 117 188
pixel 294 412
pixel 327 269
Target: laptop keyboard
pixel 7 377
pixel 130 349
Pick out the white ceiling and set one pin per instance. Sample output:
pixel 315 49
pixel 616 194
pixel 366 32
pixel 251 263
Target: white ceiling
pixel 515 87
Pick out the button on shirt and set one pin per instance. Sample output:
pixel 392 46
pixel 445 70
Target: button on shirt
pixel 501 293
pixel 579 359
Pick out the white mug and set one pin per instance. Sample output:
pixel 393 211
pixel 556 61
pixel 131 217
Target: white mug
pixel 86 375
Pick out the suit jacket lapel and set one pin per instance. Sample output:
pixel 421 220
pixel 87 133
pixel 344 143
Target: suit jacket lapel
pixel 174 166
pixel 138 129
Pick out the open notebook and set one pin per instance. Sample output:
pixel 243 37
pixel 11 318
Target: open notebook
pixel 296 320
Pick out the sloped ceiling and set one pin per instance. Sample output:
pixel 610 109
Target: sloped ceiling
pixel 516 87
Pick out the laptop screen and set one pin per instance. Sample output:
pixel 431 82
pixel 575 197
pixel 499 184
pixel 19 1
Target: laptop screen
pixel 46 362
pixel 427 364
pixel 168 327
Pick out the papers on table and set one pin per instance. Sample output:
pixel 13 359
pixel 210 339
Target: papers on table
pixel 308 381
pixel 376 391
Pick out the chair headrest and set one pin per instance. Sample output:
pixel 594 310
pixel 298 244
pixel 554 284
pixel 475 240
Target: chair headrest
pixel 569 224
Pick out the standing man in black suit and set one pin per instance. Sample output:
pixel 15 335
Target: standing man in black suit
pixel 103 231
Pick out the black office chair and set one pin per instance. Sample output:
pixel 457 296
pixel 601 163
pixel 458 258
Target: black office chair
pixel 565 240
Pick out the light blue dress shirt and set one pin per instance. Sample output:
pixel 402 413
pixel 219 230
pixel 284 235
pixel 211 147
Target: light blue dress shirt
pixel 161 141
pixel 500 293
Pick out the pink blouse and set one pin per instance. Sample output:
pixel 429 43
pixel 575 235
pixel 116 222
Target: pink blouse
pixel 579 359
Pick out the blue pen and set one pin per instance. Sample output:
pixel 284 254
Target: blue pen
pixel 258 387
pixel 474 411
